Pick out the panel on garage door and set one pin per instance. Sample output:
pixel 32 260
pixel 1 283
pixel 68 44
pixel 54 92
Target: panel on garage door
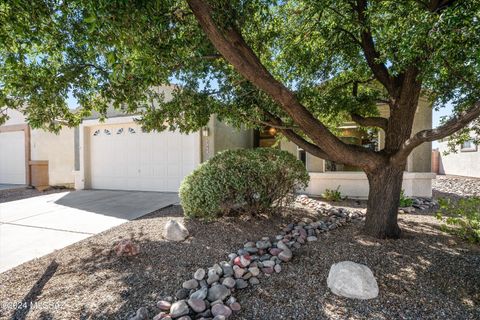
pixel 122 157
pixel 12 157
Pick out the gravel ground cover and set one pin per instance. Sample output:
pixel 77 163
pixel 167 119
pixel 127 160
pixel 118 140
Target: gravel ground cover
pixel 23 193
pixel 455 186
pixel 426 275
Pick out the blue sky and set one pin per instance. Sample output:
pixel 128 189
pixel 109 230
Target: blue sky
pixel 437 116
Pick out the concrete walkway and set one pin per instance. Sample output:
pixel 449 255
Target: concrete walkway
pixel 33 227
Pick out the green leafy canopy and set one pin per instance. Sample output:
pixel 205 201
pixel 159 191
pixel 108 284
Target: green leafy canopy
pixel 115 53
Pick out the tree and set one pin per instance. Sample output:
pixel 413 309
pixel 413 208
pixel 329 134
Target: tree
pixel 300 66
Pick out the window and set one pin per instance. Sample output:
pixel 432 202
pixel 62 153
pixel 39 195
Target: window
pixel 351 134
pixel 468 146
pixel 302 156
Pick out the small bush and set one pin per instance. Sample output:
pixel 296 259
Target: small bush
pixel 332 194
pixel 463 215
pixel 242 181
pixel 404 200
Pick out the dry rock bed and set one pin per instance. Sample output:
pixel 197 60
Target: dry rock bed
pixel 425 275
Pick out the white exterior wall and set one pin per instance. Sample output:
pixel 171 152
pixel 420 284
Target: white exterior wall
pixel 355 184
pixel 462 163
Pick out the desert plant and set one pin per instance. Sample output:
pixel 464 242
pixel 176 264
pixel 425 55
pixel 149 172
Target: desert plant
pixel 404 200
pixel 242 181
pixel 332 194
pixel 461 217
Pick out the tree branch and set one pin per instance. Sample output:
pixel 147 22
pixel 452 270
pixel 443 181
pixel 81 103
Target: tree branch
pixel 439 5
pixel 296 138
pixel 371 54
pixel 230 43
pixel 379 122
pixel 448 128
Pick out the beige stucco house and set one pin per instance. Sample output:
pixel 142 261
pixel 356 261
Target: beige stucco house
pixel 116 154
pixel 417 178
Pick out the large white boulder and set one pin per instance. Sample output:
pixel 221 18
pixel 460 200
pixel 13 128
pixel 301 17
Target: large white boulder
pixel 175 231
pixel 352 280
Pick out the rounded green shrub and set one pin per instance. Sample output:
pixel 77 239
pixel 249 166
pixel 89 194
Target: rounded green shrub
pixel 248 181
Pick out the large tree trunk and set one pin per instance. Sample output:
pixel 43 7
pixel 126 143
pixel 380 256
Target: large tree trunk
pixel 383 200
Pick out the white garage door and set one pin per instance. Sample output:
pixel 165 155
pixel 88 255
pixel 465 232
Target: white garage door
pixel 12 157
pixel 122 157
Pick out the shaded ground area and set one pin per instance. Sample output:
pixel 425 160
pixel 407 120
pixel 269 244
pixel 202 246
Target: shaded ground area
pixel 425 275
pixel 428 274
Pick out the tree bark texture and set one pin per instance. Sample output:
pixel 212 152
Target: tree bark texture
pixel 383 199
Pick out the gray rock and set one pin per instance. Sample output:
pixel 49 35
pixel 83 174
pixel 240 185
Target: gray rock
pixel 241 284
pixel 238 271
pixel 229 282
pixel 221 310
pixel 213 278
pixel 178 309
pixel 277 268
pixel 200 294
pixel 352 280
pixel 218 292
pixel 281 245
pixel 175 231
pixel 251 249
pixel 190 284
pixel 199 274
pixel 227 270
pixel 253 281
pixel 312 238
pixel 197 305
pixel 263 244
pixel 268 263
pixel 182 294
pixel 285 255
pixel 255 271
pixel 217 269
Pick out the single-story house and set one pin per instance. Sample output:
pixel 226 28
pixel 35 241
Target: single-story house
pixel 465 162
pixel 116 154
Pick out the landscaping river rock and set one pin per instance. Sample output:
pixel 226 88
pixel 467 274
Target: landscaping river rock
pixel 175 231
pixel 209 293
pixel 352 280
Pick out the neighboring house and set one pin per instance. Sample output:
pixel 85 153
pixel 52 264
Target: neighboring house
pixel 466 162
pixel 118 155
pixel 34 156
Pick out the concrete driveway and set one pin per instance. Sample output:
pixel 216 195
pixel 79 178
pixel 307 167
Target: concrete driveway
pixel 33 227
